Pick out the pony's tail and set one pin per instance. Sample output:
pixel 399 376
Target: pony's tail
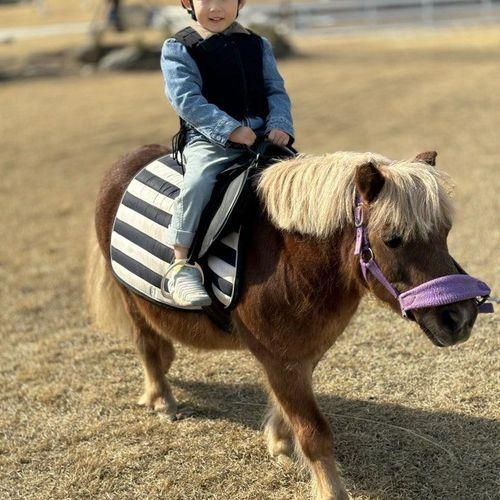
pixel 105 300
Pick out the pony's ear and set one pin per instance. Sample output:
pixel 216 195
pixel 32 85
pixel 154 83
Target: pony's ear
pixel 369 181
pixel 428 157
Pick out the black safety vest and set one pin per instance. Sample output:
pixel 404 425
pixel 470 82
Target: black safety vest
pixel 231 71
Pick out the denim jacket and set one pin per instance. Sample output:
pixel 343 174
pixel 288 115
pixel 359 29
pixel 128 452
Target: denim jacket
pixel 183 85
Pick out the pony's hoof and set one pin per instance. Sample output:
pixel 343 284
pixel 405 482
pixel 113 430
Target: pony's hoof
pixel 180 414
pixel 280 447
pixel 169 417
pixel 286 462
pixel 165 404
pixel 340 495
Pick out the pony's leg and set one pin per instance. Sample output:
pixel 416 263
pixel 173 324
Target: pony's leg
pixel 291 385
pixel 279 435
pixel 157 354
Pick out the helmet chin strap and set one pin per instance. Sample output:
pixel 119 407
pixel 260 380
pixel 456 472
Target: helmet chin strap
pixel 191 11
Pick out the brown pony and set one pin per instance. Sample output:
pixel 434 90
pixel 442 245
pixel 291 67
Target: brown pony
pixel 302 283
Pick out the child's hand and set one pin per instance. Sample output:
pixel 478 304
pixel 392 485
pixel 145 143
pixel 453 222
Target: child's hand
pixel 243 135
pixel 278 137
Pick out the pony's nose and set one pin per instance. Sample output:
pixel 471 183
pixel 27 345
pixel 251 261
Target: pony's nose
pixel 456 322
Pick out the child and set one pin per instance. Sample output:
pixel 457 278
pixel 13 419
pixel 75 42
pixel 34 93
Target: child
pixel 222 81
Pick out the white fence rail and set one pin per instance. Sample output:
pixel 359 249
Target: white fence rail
pixel 355 14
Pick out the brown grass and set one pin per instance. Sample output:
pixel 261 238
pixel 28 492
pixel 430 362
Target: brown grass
pixel 410 420
pixel 54 11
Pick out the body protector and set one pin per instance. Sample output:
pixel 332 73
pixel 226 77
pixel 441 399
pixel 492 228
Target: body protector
pixel 232 74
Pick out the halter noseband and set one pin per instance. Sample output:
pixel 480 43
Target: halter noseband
pixel 436 292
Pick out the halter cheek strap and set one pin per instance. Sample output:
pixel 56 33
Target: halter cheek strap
pixel 436 292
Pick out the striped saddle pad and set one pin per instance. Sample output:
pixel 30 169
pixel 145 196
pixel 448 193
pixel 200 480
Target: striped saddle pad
pixel 139 254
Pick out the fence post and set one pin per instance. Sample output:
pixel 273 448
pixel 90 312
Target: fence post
pixel 370 12
pixel 427 11
pixel 486 8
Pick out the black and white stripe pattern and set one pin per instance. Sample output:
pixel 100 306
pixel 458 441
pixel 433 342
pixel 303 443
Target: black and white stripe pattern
pixel 139 254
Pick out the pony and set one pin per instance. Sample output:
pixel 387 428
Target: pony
pixel 302 282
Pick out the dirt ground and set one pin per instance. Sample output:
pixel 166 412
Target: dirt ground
pixel 411 421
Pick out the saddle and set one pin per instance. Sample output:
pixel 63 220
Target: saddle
pixel 139 255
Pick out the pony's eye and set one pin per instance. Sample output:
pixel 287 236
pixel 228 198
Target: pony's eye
pixel 394 241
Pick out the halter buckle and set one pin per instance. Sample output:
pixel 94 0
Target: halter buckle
pixel 366 255
pixel 482 299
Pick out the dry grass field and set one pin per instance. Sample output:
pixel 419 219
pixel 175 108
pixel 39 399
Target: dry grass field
pixel 411 421
pixel 60 11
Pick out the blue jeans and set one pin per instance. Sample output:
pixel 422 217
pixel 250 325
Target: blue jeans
pixel 203 161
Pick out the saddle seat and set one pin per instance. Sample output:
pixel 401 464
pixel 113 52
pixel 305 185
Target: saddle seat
pixel 139 255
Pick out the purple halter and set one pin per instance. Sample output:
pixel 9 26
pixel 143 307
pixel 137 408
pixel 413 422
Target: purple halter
pixel 436 292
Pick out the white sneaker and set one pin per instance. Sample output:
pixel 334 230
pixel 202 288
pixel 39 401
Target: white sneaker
pixel 185 284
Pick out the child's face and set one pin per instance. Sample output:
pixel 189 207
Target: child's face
pixel 215 15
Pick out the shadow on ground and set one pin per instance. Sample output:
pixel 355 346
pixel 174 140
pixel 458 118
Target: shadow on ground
pixel 381 448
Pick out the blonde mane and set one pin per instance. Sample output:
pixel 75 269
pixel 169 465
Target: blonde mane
pixel 313 195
